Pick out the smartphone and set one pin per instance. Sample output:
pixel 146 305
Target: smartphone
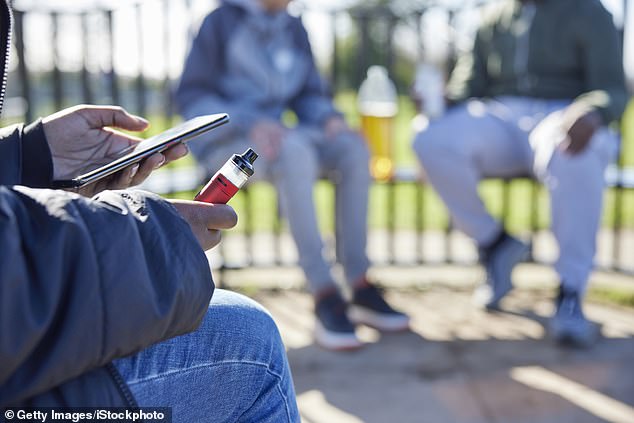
pixel 156 144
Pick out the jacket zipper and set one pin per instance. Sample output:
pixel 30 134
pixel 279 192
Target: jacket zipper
pixel 121 386
pixel 5 71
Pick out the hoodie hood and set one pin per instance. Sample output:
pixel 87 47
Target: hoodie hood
pixel 251 6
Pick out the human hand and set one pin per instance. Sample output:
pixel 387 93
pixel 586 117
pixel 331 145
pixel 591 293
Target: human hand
pixel 334 126
pixel 580 122
pixel 81 138
pixel 268 135
pixel 206 220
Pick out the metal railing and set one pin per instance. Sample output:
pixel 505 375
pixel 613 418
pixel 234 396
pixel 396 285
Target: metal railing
pixel 51 73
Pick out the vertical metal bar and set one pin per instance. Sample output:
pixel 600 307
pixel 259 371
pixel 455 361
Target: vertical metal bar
pixel 112 76
pixel 87 96
pixel 618 217
pixel 506 190
pixel 277 231
pixel 364 44
pixel 57 75
pixel 336 224
pixel 167 86
pixel 391 220
pixel 334 72
pixel 391 26
pixel 248 226
pixel 420 48
pixel 420 187
pixel 534 216
pixel 140 79
pixel 420 224
pixel 22 69
pixel 449 259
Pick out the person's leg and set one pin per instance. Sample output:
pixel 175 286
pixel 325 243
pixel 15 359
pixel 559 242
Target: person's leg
pixel 575 184
pixel 294 173
pixel 470 142
pixel 345 159
pixel 473 141
pixel 233 368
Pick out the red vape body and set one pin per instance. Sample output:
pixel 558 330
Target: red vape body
pixel 229 179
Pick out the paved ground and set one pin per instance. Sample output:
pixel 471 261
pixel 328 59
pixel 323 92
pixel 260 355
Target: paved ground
pixel 458 364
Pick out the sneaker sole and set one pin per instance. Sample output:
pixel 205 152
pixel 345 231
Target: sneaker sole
pixel 572 337
pixel 336 341
pixel 380 321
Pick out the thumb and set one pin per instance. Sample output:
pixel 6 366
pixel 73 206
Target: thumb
pixel 113 116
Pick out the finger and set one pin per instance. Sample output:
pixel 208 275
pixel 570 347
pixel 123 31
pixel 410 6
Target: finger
pixel 210 216
pixel 126 177
pixel 175 152
pixel 120 143
pixel 120 180
pixel 214 216
pixel 114 116
pixel 147 166
pixel 219 216
pixel 209 238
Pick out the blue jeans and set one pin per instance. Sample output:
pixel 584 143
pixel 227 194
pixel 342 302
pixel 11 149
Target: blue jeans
pixel 232 369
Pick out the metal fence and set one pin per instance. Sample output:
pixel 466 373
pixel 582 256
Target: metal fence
pixel 131 54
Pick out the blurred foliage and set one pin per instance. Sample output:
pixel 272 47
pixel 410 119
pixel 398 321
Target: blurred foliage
pixel 356 52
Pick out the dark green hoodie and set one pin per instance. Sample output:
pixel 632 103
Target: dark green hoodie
pixel 561 49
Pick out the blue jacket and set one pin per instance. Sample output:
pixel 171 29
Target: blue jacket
pixel 84 281
pixel 253 66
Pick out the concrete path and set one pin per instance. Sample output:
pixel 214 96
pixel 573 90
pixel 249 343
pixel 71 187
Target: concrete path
pixel 461 365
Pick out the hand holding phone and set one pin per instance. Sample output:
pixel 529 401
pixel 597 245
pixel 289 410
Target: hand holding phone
pixel 81 140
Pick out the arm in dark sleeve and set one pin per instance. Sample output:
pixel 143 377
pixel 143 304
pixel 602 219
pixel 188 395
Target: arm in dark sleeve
pixel 602 63
pixel 85 281
pixel 311 105
pixel 26 156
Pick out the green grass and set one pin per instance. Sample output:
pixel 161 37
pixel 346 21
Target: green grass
pixel 612 296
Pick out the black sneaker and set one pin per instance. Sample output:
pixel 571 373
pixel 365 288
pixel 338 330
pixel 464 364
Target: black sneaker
pixel 333 329
pixel 499 261
pixel 368 307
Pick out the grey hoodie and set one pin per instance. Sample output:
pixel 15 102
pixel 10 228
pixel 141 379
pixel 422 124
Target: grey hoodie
pixel 252 65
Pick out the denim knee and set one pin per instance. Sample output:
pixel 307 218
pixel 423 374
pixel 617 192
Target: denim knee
pixel 248 326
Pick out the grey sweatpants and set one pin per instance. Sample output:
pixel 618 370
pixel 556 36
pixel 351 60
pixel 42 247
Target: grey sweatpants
pixel 509 136
pixel 305 156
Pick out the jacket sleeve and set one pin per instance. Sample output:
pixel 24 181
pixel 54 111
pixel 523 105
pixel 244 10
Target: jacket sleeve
pixel 312 105
pixel 198 92
pixel 26 157
pixel 600 50
pixel 85 281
